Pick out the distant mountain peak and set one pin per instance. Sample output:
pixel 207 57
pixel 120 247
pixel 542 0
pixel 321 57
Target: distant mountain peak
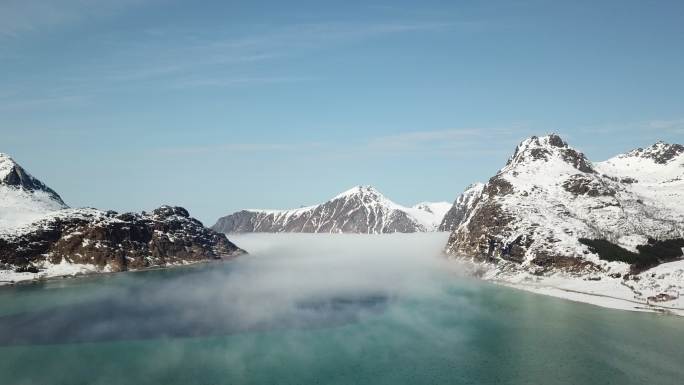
pixel 13 175
pixel 544 148
pixel 360 209
pixel 362 190
pixel 660 152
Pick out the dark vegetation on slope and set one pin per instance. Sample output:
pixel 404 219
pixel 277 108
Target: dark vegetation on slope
pixel 650 255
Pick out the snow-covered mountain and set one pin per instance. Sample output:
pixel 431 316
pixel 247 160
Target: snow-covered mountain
pixel 550 211
pixel 461 206
pixel 656 173
pixel 361 209
pixel 40 237
pixel 23 198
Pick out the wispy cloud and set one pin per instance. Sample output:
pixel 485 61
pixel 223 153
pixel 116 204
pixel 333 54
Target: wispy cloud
pixel 436 142
pixel 440 140
pixel 176 59
pixel 215 57
pixel 14 103
pixel 18 17
pixel 222 82
pixel 242 147
pixel 665 126
pixel 674 126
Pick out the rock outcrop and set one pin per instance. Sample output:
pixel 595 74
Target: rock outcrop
pixel 114 242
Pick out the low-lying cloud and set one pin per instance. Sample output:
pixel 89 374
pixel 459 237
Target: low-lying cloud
pixel 291 281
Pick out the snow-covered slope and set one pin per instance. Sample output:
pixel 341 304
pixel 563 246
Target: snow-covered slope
pixel 23 198
pixel 529 217
pixel 430 214
pixel 656 173
pixel 361 209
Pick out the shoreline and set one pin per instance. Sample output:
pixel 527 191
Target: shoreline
pixel 87 272
pixel 598 289
pixel 597 299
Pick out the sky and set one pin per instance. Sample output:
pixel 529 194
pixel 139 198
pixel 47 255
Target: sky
pixel 222 105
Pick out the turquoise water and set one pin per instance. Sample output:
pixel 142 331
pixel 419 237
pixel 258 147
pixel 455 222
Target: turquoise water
pixel 274 318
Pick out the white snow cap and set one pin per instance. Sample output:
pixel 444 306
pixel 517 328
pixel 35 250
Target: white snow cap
pixel 18 205
pixel 360 190
pixel 546 148
pixel 7 164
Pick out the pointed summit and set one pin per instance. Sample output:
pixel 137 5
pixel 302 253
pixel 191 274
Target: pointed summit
pixel 361 209
pixel 360 190
pixel 13 175
pixel 23 198
pixel 545 148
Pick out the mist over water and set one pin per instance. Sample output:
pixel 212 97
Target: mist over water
pixel 332 309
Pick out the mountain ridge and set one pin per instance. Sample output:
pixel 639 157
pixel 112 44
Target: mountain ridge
pixel 361 209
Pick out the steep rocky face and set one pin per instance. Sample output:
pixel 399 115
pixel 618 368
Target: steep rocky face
pixel 534 210
pixel 113 242
pixel 361 209
pixel 461 207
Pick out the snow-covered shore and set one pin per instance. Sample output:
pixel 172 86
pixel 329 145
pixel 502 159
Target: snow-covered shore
pixel 72 270
pixel 660 289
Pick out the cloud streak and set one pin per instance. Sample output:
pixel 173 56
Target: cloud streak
pixel 174 58
pixel 432 141
pixel 20 17
pixel 441 140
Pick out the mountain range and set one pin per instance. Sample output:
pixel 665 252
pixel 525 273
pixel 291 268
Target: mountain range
pixel 550 220
pixel 361 209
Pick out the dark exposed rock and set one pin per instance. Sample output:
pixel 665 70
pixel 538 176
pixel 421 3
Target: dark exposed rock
pixel 482 235
pixel 662 297
pixel 660 152
pixel 117 242
pixel 26 269
pixel 580 184
pixel 498 186
pixel 559 262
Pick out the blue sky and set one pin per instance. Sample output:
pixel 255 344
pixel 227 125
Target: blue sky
pixel 217 106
